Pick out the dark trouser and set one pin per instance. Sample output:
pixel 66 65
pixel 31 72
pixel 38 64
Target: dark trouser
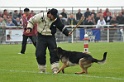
pixel 111 34
pixel 42 43
pixel 24 42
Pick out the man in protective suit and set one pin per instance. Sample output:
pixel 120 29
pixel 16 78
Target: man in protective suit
pixel 47 23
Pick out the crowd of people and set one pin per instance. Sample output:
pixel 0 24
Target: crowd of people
pixel 101 17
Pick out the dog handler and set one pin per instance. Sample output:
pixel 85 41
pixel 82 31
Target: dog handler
pixel 47 23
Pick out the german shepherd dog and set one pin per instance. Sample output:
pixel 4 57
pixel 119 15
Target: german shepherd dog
pixel 71 58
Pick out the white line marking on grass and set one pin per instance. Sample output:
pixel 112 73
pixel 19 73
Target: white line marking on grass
pixel 115 78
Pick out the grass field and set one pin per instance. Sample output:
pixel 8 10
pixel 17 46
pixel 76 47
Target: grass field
pixel 23 68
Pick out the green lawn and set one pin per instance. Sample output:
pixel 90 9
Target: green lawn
pixel 23 68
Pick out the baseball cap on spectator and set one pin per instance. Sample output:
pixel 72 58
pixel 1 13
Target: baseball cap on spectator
pixel 54 12
pixel 26 10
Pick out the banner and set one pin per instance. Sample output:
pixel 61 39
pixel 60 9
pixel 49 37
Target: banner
pixel 94 34
pixel 14 34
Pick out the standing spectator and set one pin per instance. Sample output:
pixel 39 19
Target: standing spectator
pixel 105 12
pixel 78 15
pixel 108 18
pixel 46 37
pixel 32 13
pixel 5 12
pixel 15 14
pixel 63 13
pixel 120 18
pixel 31 35
pixel 87 13
pixel 20 14
pixel 122 12
pixel 113 28
pixel 71 20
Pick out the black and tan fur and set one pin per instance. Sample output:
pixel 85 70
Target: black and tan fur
pixel 71 58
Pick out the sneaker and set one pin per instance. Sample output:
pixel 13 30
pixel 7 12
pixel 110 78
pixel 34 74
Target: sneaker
pixel 20 53
pixel 55 70
pixel 42 72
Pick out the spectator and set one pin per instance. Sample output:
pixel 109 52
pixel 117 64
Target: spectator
pixel 105 12
pixel 32 35
pixel 20 14
pixel 63 20
pixel 93 12
pixel 122 12
pixel 71 20
pixel 88 21
pixel 101 21
pixel 108 18
pixel 15 14
pixel 13 20
pixel 5 12
pixel 112 31
pixel 87 13
pixel 120 18
pixel 9 22
pixel 63 13
pixel 93 18
pixel 78 15
pixel 5 19
pixel 2 23
pixel 18 21
pixel 32 13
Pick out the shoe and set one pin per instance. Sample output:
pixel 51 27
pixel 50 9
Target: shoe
pixel 20 53
pixel 42 72
pixel 55 70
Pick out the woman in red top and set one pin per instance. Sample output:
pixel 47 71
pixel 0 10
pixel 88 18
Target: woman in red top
pixel 32 35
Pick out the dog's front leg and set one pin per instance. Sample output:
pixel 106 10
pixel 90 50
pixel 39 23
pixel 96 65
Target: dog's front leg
pixel 62 67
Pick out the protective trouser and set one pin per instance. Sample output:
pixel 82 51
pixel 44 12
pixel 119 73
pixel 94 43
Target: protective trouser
pixel 42 43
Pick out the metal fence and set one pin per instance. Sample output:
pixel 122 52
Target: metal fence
pixel 106 33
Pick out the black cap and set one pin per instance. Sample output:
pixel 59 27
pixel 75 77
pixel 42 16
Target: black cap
pixel 26 10
pixel 54 12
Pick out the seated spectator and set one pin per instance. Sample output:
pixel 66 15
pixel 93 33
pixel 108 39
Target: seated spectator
pixel 15 14
pixel 78 15
pixel 71 20
pixel 101 21
pixel 120 18
pixel 122 12
pixel 63 20
pixel 63 13
pixel 87 13
pixel 18 21
pixel 13 20
pixel 93 12
pixel 93 18
pixel 108 18
pixel 88 21
pixel 9 22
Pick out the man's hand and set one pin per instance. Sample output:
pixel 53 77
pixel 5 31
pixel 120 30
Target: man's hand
pixel 70 33
pixel 28 30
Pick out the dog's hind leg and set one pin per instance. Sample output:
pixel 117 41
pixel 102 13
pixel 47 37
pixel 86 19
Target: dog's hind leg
pixel 81 62
pixel 62 67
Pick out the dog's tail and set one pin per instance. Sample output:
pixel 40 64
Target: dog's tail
pixel 102 60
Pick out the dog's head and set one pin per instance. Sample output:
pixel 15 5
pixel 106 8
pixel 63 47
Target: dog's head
pixel 59 51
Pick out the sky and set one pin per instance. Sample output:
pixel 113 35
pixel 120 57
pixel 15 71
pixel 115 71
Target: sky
pixel 45 3
pixel 60 3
